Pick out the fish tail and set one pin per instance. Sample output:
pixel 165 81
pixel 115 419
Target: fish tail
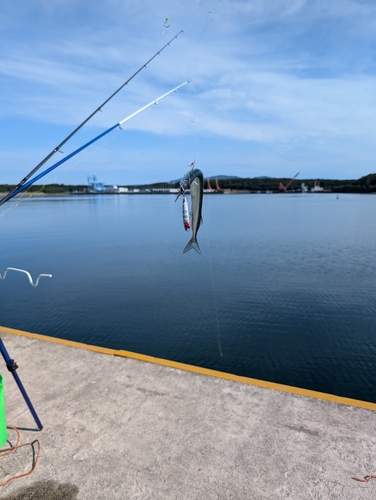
pixel 192 244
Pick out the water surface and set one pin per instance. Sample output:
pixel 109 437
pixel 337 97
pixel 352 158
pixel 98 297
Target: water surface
pixel 283 289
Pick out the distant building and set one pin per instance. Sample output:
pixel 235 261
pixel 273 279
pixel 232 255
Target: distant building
pixel 316 187
pixel 96 187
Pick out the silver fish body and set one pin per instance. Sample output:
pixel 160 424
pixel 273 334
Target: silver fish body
pixel 195 180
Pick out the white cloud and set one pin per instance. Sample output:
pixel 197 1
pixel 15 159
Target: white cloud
pixel 263 74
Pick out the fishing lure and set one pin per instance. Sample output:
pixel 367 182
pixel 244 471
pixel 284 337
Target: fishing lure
pixel 184 185
pixel 186 223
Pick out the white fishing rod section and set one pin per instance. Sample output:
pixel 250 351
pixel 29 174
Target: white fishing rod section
pixel 42 174
pixel 55 150
pixel 156 101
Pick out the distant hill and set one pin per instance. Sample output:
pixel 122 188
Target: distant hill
pixel 213 177
pixel 223 177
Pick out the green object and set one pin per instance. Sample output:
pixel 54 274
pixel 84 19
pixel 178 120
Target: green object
pixel 3 423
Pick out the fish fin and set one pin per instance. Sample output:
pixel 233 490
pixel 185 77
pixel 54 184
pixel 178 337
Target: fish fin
pixel 192 244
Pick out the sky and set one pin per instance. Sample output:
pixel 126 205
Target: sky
pixel 275 88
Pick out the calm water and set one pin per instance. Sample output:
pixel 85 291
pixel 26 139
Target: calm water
pixel 284 289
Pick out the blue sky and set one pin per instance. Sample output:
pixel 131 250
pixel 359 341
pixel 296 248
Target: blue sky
pixel 276 88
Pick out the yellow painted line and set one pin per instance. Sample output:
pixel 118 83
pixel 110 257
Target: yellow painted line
pixel 69 343
pixel 196 369
pixel 250 381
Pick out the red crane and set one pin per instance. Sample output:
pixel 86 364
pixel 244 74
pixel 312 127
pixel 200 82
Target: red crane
pixel 217 184
pixel 285 188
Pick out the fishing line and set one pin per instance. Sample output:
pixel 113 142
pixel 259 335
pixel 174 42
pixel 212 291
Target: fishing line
pixel 84 157
pixel 191 129
pixel 167 22
pixel 98 146
pixel 193 123
pixel 219 340
pixel 14 204
pixel 197 39
pixel 215 302
pixel 193 110
pixel 199 1
pixel 26 194
pixel 88 153
pixel 23 182
pixel 26 185
pixel 206 22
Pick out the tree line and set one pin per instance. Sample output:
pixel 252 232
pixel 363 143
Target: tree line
pixel 366 184
pixel 47 188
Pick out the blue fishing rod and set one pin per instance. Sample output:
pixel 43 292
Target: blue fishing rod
pixel 24 183
pixel 12 367
pixel 20 185
pixel 10 363
pixel 74 153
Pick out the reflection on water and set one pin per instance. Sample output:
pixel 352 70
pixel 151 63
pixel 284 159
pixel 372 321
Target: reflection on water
pixel 284 285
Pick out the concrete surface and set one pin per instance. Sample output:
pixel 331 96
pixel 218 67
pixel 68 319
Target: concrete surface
pixel 118 428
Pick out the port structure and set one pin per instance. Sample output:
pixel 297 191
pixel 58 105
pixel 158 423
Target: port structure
pixel 217 189
pixel 285 188
pixel 217 184
pixel 209 185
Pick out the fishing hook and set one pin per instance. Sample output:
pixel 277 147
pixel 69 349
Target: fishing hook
pixel 184 181
pixel 27 274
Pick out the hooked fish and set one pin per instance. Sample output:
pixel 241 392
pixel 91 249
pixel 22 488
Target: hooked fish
pixel 186 222
pixel 195 180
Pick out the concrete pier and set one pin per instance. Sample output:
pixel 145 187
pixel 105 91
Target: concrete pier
pixel 122 428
